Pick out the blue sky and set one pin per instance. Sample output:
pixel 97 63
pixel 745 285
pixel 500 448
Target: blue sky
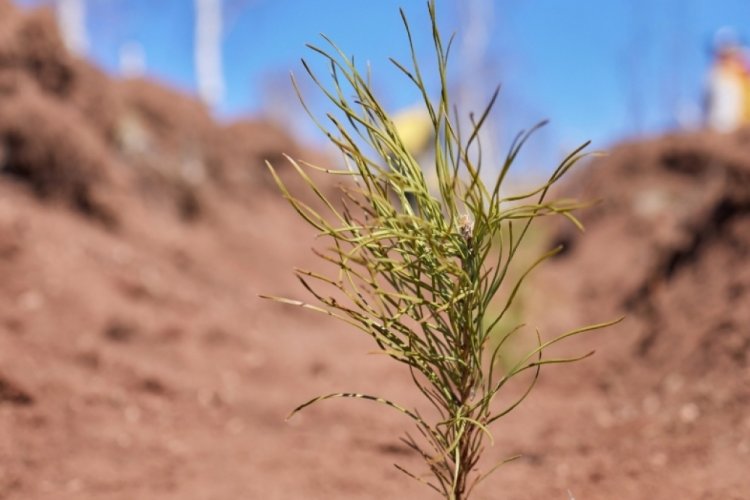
pixel 599 70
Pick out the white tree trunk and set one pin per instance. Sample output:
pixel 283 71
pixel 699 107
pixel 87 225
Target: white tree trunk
pixel 208 65
pixel 71 17
pixel 478 22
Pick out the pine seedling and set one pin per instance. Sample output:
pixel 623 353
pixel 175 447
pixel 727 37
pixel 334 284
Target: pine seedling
pixel 421 270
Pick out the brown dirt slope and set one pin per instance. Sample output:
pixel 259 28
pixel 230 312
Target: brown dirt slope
pixel 136 360
pixel 667 247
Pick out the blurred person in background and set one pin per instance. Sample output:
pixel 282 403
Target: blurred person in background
pixel 414 127
pixel 728 92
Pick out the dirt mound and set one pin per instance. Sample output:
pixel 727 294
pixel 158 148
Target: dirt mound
pixel 670 238
pixel 138 335
pixel 31 43
pixel 71 133
pixel 668 248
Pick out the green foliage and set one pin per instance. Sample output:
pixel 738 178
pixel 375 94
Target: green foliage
pixel 417 270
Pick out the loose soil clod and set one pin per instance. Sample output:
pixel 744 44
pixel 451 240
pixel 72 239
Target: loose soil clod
pixel 11 393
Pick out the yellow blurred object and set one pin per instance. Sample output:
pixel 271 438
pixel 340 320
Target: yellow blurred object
pixel 415 129
pixel 746 97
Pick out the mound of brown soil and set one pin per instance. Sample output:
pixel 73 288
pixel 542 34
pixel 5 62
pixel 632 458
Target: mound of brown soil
pixel 136 359
pixel 72 134
pixel 667 247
